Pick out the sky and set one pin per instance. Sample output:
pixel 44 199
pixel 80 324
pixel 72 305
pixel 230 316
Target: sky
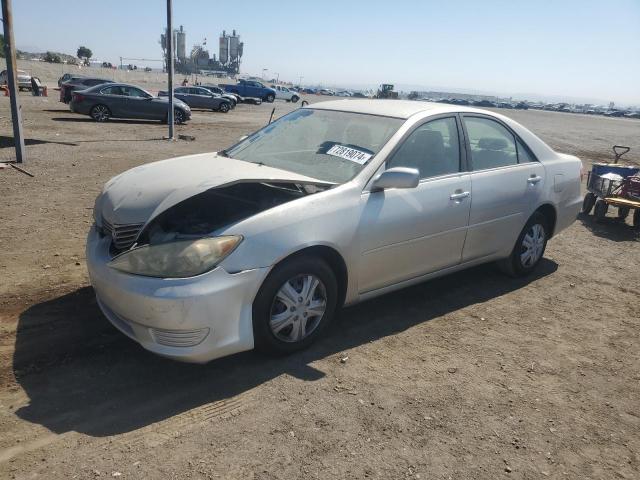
pixel 564 49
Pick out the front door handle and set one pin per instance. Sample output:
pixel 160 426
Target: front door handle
pixel 533 179
pixel 459 195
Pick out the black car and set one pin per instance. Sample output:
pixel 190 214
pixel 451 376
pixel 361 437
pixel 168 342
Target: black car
pixel 218 91
pixel 120 100
pixel 79 83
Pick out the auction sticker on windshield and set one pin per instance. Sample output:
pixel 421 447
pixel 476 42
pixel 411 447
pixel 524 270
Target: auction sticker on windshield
pixel 349 153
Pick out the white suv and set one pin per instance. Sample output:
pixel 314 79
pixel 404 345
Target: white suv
pixel 283 93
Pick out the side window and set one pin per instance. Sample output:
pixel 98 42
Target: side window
pixel 117 90
pixel 523 153
pixel 492 145
pixel 134 92
pixel 432 148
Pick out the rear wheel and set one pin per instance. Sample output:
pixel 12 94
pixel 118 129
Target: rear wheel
pixel 295 305
pixel 588 202
pixel 529 247
pixel 623 213
pixel 600 210
pixel 100 113
pixel 636 219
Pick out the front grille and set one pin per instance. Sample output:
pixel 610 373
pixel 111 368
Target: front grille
pixel 179 338
pixel 122 236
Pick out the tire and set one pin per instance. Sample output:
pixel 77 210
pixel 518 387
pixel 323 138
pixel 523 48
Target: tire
pixel 588 203
pixel 532 241
pixel 224 107
pixel 295 99
pixel 600 210
pixel 270 98
pixel 623 213
pixel 277 320
pixel 636 219
pixel 178 116
pixel 100 113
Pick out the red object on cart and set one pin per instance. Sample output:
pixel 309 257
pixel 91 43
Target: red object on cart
pixel 631 187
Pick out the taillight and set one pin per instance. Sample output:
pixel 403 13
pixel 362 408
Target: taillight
pixel 77 97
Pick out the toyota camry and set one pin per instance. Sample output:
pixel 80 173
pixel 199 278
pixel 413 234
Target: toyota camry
pixel 258 245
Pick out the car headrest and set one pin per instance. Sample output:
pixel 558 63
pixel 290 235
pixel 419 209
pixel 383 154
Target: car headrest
pixel 492 143
pixel 429 140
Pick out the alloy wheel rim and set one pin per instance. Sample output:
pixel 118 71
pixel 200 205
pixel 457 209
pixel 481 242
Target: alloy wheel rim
pixel 100 113
pixel 298 308
pixel 532 245
pixel 177 115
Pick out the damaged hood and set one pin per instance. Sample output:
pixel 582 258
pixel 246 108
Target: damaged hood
pixel 141 193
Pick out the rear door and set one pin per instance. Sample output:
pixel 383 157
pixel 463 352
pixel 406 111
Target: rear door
pixel 507 182
pixel 114 98
pixel 406 233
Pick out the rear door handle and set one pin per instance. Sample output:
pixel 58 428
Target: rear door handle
pixel 534 179
pixel 459 195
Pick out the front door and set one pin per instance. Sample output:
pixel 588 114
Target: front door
pixel 406 233
pixel 506 181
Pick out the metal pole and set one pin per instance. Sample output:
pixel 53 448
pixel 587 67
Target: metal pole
pixel 12 82
pixel 170 65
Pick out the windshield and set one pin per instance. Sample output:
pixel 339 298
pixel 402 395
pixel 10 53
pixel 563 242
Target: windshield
pixel 327 145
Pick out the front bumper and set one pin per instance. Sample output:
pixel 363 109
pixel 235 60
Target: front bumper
pixel 193 319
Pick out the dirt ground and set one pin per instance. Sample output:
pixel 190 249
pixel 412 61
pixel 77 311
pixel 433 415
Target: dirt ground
pixel 470 376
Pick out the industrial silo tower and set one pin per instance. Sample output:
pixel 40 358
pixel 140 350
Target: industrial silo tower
pixel 181 44
pixel 224 48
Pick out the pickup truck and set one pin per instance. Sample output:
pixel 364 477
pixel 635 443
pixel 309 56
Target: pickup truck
pixel 251 88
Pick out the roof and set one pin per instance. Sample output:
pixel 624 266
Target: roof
pixel 389 108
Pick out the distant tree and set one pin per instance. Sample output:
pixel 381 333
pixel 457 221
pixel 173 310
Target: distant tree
pixel 84 52
pixel 51 57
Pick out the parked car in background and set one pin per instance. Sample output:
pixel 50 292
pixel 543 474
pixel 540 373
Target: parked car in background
pixel 326 91
pixel 252 88
pixel 211 254
pixel 200 97
pixel 283 93
pixel 23 78
pixel 344 93
pixel 234 99
pixel 120 100
pixel 68 76
pixel 309 91
pixel 81 83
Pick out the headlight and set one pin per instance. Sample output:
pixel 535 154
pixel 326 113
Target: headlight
pixel 183 258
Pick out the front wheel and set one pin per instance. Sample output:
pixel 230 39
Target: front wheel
pixel 588 203
pixel 295 99
pixel 224 107
pixel 529 248
pixel 295 305
pixel 270 98
pixel 600 210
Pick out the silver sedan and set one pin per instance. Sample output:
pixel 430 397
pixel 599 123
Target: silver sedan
pixel 257 246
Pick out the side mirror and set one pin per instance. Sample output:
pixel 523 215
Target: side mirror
pixel 397 177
